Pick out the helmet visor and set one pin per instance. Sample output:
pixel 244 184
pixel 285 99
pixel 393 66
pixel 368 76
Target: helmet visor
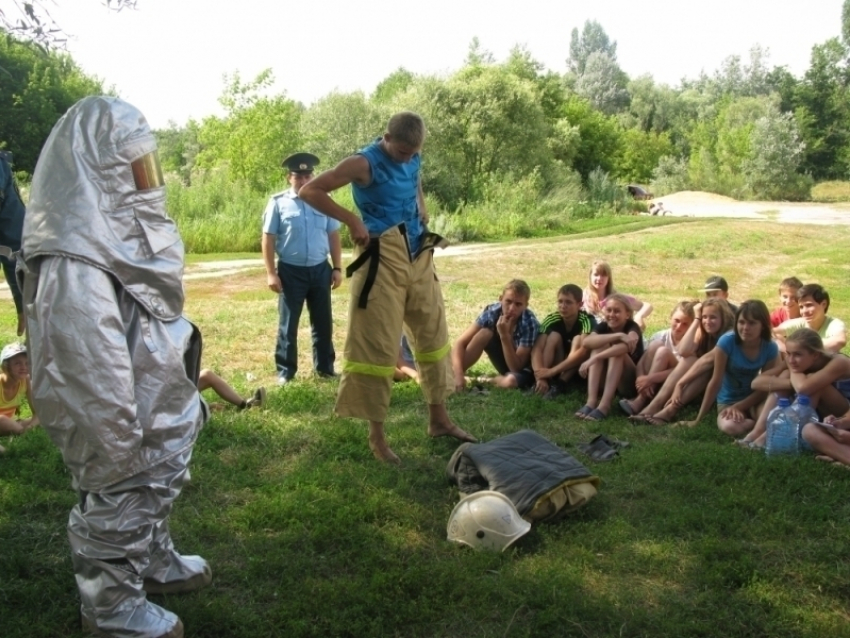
pixel 147 172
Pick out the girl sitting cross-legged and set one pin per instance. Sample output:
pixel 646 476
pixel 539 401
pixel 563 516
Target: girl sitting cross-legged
pixel 822 376
pixel 600 286
pixel 615 345
pixel 660 358
pixel 687 381
pixel 738 359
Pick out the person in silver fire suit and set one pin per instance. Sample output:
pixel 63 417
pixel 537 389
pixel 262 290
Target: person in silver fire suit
pixel 114 363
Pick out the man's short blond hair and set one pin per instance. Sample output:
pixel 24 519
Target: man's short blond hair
pixel 408 128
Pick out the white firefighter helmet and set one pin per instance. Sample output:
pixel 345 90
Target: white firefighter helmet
pixel 486 520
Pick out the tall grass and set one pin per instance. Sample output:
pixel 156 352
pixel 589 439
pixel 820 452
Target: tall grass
pixel 217 213
pixel 519 208
pixel 829 192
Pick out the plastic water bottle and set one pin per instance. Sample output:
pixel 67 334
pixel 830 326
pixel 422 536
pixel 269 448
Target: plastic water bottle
pixel 802 408
pixel 781 430
pixel 803 413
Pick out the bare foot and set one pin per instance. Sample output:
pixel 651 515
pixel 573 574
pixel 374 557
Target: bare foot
pixel 443 428
pixel 661 418
pixel 440 424
pixel 383 452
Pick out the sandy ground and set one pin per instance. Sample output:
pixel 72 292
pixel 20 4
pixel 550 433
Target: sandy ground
pixel 697 204
pixel 682 204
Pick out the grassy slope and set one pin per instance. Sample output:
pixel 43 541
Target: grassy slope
pixel 308 536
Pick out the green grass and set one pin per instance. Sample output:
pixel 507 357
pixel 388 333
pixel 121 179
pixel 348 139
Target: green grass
pixel 308 536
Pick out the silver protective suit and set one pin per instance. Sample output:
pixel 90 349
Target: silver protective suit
pixel 103 266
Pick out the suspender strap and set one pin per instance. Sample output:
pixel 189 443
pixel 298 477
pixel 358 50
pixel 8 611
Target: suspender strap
pixel 372 254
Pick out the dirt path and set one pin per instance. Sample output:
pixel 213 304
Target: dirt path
pixel 683 204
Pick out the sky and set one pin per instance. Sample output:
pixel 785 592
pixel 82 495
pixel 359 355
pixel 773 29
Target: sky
pixel 169 57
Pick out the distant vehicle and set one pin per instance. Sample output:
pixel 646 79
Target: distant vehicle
pixel 639 192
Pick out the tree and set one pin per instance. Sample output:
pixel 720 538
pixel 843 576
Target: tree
pixel 774 157
pixel 593 39
pixel 396 82
pixel 36 88
pixel 736 79
pixel 639 153
pixel 255 135
pixel 484 122
pixel 478 56
pixel 603 83
pixel 32 21
pixel 178 149
pixel 550 85
pixel 599 137
pixel 823 111
pixel 339 124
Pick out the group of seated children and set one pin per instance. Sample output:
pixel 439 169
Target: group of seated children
pixel 740 357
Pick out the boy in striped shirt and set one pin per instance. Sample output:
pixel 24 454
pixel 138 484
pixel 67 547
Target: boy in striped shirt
pixel 557 354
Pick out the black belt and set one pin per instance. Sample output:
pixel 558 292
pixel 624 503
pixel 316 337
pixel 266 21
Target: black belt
pixel 372 254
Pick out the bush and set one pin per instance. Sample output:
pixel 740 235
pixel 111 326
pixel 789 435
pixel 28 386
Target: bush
pixel 216 213
pixel 508 208
pixel 670 176
pixel 827 192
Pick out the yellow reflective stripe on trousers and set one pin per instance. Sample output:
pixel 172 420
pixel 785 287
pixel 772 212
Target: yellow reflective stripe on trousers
pixel 432 357
pixel 368 368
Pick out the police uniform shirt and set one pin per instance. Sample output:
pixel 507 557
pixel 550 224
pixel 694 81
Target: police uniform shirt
pixel 302 231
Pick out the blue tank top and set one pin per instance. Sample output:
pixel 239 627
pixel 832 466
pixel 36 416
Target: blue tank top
pixel 391 197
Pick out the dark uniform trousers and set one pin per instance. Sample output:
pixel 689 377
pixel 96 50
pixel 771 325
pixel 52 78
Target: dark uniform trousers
pixel 313 285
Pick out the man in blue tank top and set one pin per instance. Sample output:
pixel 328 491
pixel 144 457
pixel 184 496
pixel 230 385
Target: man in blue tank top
pixel 393 281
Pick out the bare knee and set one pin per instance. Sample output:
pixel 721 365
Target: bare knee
pixel 10 426
pixel 205 379
pixel 734 428
pixel 507 381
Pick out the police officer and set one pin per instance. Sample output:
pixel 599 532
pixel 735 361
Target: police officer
pixel 302 238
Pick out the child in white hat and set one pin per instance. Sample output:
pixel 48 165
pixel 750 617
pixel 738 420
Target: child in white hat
pixel 15 381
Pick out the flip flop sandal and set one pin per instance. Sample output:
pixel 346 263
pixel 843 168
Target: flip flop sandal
pixel 750 445
pixel 638 419
pixel 598 449
pixel 583 412
pixel 614 443
pixel 596 415
pixel 618 445
pixel 626 407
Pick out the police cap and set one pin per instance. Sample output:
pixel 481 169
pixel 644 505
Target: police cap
pixel 300 163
